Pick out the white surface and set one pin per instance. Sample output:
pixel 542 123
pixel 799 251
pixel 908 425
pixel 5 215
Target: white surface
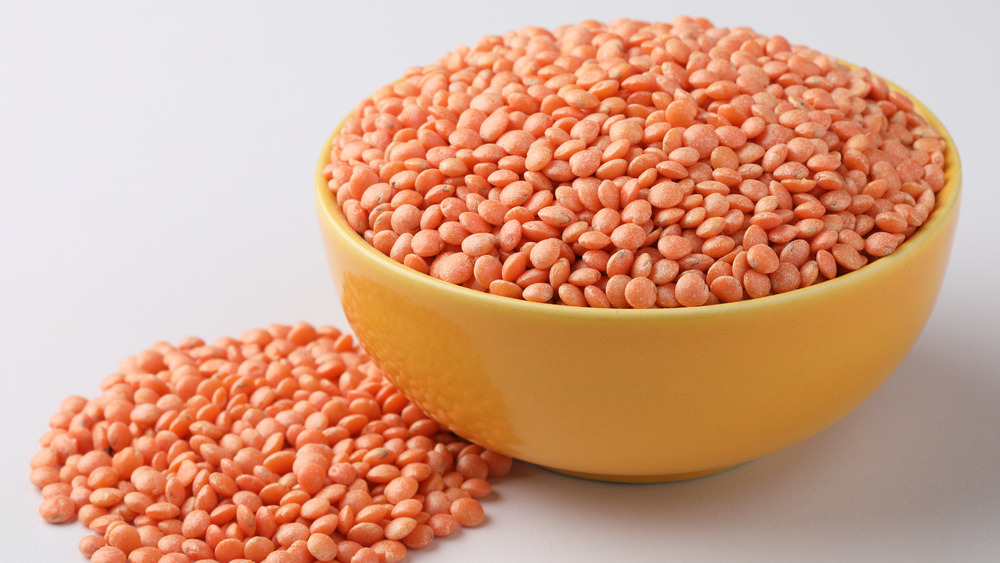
pixel 156 166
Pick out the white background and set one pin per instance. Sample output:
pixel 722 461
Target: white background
pixel 156 165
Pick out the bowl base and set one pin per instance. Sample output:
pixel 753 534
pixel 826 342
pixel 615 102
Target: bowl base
pixel 667 478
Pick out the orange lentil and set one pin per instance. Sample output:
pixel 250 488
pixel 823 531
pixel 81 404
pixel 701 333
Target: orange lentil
pixel 762 258
pixel 54 489
pixel 124 537
pixel 229 549
pixel 42 476
pixel 420 537
pixel 442 524
pixel 322 547
pixel 674 247
pixel 848 257
pixel 756 284
pixel 478 488
pixel 389 551
pixel 640 293
pixel 726 288
pixel 691 290
pixel 57 509
pixel 538 293
pixel 108 554
pixel 278 482
pixel 101 523
pixel 90 544
pixel 257 548
pixel 365 533
pixel 106 497
pixel 785 277
pixel 196 549
pixel 364 555
pixel 373 513
pixel 881 244
pixel 600 156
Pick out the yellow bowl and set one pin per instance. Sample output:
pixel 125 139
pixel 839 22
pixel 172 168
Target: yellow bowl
pixel 640 395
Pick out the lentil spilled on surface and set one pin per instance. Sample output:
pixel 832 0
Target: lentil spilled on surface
pixel 285 445
pixel 636 165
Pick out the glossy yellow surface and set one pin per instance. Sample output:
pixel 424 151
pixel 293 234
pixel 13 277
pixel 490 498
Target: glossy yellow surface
pixel 640 395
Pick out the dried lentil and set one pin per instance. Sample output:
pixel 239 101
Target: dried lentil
pixel 286 444
pixel 679 141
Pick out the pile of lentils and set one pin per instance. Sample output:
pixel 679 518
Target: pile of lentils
pixel 636 165
pixel 286 445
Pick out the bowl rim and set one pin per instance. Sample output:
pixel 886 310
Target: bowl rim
pixel 946 204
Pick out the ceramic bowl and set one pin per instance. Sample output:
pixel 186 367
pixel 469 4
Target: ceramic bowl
pixel 640 395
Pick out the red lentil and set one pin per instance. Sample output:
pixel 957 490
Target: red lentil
pixel 57 509
pixel 90 544
pixel 108 554
pixel 605 142
pixel 286 444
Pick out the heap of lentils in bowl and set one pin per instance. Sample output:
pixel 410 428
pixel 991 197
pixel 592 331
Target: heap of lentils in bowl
pixel 636 165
